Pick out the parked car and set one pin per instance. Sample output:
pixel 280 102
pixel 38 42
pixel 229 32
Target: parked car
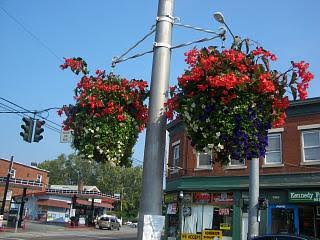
pixel 109 223
pixel 134 224
pixel 283 237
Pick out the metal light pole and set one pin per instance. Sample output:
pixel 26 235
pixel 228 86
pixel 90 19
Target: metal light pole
pixel 253 224
pixel 152 181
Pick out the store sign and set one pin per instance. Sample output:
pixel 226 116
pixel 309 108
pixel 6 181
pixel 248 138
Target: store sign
pixel 224 212
pixel 190 236
pixel 304 196
pixel 211 234
pixel 222 198
pixel 172 208
pixel 225 226
pixel 200 197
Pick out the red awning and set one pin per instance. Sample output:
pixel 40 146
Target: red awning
pixel 52 203
pixel 88 203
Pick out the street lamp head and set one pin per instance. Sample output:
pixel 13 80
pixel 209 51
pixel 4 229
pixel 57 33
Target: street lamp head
pixel 218 16
pixel 181 194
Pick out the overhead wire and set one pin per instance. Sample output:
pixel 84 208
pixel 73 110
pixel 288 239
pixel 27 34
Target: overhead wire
pixel 21 114
pixel 31 34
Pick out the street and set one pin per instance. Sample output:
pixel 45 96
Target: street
pixel 44 232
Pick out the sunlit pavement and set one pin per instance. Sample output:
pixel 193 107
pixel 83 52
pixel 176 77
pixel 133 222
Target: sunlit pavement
pixel 48 232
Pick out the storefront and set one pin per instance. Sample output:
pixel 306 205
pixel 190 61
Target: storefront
pixel 294 212
pixel 195 212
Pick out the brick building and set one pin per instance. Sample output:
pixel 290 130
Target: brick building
pixel 201 195
pixel 23 176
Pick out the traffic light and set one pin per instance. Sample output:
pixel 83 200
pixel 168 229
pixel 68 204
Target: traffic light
pixel 27 129
pixel 38 130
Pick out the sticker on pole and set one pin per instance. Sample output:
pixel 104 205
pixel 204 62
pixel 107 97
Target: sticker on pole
pixel 153 227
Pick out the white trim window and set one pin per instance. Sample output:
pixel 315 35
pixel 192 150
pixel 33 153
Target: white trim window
pixel 39 178
pixel 176 155
pixel 13 173
pixel 274 150
pixel 237 163
pixel 204 160
pixel 311 145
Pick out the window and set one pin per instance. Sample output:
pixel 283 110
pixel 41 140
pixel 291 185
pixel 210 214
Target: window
pixel 176 155
pixel 204 160
pixel 13 173
pixel 39 178
pixel 236 163
pixel 274 149
pixel 311 145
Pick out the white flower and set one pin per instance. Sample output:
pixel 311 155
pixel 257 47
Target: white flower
pixel 210 146
pixel 203 106
pixel 101 151
pixel 193 105
pixel 207 120
pixel 218 134
pixel 90 156
pixel 97 129
pixel 220 146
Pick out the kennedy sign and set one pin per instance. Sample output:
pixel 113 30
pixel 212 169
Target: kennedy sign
pixel 304 196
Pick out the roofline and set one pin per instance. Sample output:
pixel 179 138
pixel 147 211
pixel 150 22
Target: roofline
pixel 314 100
pixel 25 165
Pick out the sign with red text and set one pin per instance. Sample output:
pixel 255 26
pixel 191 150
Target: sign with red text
pixel 201 197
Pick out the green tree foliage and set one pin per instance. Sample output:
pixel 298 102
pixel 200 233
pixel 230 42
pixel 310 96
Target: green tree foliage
pixel 109 179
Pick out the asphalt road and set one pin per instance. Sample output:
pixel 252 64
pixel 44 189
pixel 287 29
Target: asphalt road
pixel 125 233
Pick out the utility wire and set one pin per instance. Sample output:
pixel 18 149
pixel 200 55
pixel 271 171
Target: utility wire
pixel 32 112
pixel 6 107
pixel 31 34
pixel 195 28
pixel 116 60
pixel 196 41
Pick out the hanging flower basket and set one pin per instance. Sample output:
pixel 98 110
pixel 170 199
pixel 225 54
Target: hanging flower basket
pixel 228 100
pixel 108 115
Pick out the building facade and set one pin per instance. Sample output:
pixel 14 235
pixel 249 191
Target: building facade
pixel 201 195
pixel 23 179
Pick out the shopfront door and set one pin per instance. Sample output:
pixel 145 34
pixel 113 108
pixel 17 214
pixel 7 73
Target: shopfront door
pixel 283 219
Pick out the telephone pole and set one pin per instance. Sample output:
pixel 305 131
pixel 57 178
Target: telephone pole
pixel 6 187
pixel 152 181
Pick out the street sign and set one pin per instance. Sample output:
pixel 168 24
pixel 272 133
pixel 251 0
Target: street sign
pixel 66 136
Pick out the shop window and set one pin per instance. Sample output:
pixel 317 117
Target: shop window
pixel 204 216
pixel 306 220
pixel 311 146
pixel 13 173
pixel 204 160
pixel 274 150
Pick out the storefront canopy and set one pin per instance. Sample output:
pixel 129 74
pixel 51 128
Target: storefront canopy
pixel 53 203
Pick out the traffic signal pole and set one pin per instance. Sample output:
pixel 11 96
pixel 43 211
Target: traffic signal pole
pixel 153 164
pixel 6 187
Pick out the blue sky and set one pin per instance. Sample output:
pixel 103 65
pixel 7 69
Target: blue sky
pixel 36 35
